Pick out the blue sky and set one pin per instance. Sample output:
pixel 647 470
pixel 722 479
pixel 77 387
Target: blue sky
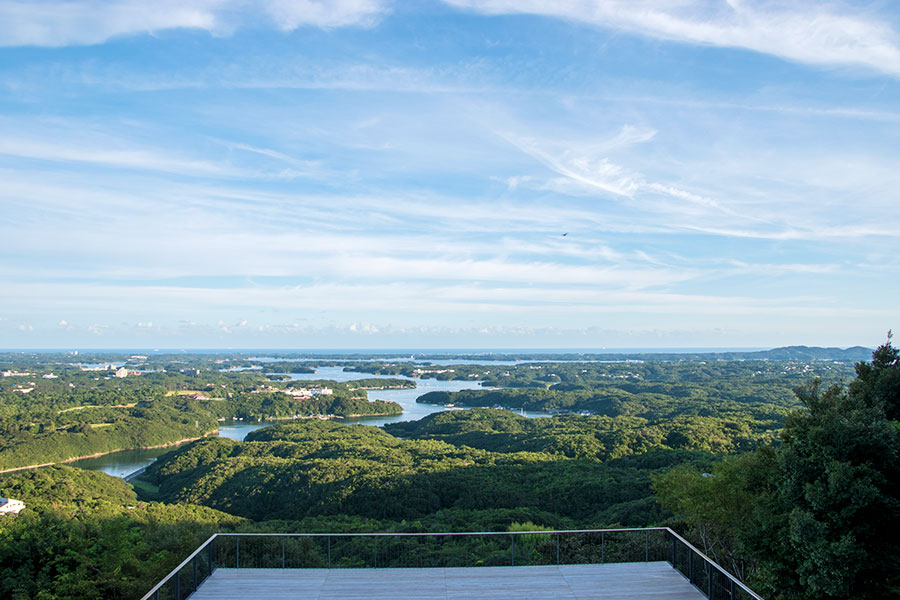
pixel 375 173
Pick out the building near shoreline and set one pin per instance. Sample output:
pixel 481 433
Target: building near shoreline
pixel 8 506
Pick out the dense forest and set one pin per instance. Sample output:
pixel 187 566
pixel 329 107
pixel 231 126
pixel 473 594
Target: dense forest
pixel 307 469
pixel 796 493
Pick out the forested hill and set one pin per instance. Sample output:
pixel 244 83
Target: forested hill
pixel 84 535
pixel 595 437
pixel 315 468
pixel 727 389
pixel 851 355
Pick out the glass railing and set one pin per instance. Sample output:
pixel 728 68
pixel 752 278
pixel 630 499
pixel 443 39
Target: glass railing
pixel 446 549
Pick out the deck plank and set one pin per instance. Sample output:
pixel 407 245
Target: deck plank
pixel 625 581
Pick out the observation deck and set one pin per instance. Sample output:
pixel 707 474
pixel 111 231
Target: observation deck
pixel 609 564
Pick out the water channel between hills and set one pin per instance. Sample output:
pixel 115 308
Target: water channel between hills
pixel 120 464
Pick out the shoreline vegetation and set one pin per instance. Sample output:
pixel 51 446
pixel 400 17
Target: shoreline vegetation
pixel 105 453
pixel 325 417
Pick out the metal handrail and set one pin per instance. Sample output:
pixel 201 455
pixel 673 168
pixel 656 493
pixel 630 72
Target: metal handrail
pixel 714 564
pixel 177 569
pixel 442 533
pixel 175 572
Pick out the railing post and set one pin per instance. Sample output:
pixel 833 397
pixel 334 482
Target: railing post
pixel 557 547
pixel 709 572
pixel 210 552
pixel 691 567
pixel 646 546
pixel 731 588
pixel 237 552
pixel 329 551
pixel 376 553
pixel 513 549
pixel 194 563
pixel 674 549
pixel 177 590
pixel 282 552
pixel 602 547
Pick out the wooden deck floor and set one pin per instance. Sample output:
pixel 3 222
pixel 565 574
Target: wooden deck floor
pixel 626 581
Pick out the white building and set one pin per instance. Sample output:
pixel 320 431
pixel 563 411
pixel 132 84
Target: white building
pixel 8 506
pixel 123 372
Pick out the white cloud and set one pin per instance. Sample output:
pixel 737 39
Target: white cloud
pixel 129 158
pixel 585 172
pixel 415 301
pixel 805 31
pixel 101 150
pixel 363 328
pixel 79 22
pixel 63 323
pixel 291 14
pixel 581 164
pixel 57 23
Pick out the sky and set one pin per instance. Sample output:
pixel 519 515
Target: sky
pixel 449 173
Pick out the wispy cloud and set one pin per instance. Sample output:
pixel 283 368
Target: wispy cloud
pixel 411 303
pixel 78 22
pixel 130 158
pixel 808 32
pixel 586 170
pixel 765 195
pixel 583 166
pixel 118 149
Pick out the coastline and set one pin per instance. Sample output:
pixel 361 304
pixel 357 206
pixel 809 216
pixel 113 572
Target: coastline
pixel 99 454
pixel 327 417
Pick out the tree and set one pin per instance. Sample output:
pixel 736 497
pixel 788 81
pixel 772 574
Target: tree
pixel 730 509
pixel 819 516
pixel 839 468
pixel 878 383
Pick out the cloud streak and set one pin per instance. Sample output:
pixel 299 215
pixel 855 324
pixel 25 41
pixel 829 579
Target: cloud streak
pixel 806 32
pixel 84 22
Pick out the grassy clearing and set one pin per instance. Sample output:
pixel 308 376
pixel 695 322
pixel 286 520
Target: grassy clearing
pixel 130 405
pixel 144 486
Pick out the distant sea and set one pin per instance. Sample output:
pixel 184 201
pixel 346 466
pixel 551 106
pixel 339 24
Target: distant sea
pixel 395 352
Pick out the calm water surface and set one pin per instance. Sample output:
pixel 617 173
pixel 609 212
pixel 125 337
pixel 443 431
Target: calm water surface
pixel 120 464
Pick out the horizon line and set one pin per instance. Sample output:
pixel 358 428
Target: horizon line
pixel 425 350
